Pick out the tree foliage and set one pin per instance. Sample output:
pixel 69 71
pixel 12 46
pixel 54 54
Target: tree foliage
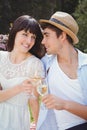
pixel 5 16
pixel 81 17
pixel 11 9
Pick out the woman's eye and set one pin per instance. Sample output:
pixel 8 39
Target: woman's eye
pixel 24 34
pixel 33 37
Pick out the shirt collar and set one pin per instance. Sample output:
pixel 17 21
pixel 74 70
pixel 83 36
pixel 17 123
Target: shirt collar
pixel 82 58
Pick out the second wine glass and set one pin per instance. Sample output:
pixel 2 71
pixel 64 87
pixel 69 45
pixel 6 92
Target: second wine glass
pixel 42 88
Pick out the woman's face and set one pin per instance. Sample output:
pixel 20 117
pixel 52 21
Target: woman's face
pixel 24 41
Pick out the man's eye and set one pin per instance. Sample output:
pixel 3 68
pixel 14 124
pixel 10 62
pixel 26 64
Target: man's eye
pixel 46 35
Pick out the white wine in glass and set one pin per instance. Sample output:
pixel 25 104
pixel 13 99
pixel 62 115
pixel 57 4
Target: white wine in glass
pixel 35 82
pixel 42 88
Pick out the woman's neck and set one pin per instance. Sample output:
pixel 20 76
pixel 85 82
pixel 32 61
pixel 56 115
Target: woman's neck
pixel 17 57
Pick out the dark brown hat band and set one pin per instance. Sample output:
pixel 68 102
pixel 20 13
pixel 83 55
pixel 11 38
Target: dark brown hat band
pixel 59 22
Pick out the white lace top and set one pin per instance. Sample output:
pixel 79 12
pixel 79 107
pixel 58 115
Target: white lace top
pixel 14 113
pixel 26 68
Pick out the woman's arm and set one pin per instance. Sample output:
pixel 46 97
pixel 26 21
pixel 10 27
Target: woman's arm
pixel 39 72
pixel 11 92
pixel 8 93
pixel 34 106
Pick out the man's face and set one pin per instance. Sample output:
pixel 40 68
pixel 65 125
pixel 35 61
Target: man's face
pixel 51 41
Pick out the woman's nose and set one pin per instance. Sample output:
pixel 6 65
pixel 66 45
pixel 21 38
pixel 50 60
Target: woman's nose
pixel 29 39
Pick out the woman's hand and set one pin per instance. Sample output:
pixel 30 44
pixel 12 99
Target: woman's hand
pixel 26 86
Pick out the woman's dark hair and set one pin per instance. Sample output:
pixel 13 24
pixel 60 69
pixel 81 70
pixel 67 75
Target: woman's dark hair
pixel 27 23
pixel 57 30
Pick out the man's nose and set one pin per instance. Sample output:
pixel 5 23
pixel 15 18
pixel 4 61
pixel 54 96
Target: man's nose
pixel 43 41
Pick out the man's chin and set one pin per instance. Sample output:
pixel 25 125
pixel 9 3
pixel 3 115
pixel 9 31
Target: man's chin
pixel 48 53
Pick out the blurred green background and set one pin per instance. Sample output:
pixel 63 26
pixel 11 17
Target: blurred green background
pixel 11 9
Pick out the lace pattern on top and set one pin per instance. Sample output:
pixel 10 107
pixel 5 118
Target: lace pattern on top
pixel 27 68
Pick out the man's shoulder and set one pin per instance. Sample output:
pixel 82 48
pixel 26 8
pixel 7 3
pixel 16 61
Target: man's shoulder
pixel 47 57
pixel 82 57
pixel 47 60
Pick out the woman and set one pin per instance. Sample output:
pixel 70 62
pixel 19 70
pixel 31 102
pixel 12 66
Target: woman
pixel 19 63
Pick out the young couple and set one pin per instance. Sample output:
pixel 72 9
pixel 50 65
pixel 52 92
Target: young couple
pixel 65 68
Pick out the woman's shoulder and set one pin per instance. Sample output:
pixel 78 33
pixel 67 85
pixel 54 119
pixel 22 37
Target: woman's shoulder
pixel 35 62
pixel 3 53
pixel 36 59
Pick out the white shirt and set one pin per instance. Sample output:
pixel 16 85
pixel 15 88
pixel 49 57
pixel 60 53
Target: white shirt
pixel 62 86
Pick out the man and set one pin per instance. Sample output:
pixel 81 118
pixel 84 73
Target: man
pixel 66 74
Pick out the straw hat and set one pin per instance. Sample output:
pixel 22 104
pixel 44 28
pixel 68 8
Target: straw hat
pixel 65 22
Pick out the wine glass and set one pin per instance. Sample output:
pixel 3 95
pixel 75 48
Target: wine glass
pixel 42 89
pixel 36 75
pixel 35 81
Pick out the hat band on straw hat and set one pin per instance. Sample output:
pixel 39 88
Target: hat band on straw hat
pixel 59 22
